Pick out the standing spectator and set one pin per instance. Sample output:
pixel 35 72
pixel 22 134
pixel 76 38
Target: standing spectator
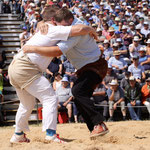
pixel 57 81
pixel 136 69
pixel 100 98
pixel 146 95
pixel 133 98
pixel 54 67
pixel 6 7
pixel 116 97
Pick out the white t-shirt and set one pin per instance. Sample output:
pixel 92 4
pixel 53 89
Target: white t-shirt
pixel 54 35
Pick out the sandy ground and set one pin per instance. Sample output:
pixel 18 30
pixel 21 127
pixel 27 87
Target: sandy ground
pixel 128 135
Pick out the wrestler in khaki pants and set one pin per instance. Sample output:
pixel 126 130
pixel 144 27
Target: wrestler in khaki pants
pixel 29 83
pixel 42 90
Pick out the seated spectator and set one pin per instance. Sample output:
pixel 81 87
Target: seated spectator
pixel 133 98
pixel 116 97
pixel 57 81
pixel 145 30
pixel 118 64
pixel 140 35
pixel 64 97
pixel 54 67
pixel 136 69
pixel 24 36
pixel 109 76
pixel 148 47
pixel 122 48
pixel 144 60
pixel 69 71
pixel 125 81
pixel 100 98
pixel 101 37
pixel 107 49
pixel 146 95
pixel 134 47
pixel 126 36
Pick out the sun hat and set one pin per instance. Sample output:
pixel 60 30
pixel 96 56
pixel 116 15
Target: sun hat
pixel 111 29
pixel 116 53
pixel 114 82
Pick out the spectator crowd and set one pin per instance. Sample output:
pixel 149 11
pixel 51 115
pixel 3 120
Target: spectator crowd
pixel 123 29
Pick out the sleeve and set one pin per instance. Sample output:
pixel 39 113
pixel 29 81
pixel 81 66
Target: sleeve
pixel 124 62
pixel 129 69
pixel 109 92
pixel 121 93
pixel 65 46
pixel 142 69
pixel 59 32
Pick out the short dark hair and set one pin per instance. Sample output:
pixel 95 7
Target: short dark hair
pixel 63 14
pixel 49 13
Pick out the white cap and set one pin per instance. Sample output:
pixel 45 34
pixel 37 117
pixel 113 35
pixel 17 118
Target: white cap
pixel 115 44
pixel 132 78
pixel 124 27
pixel 148 41
pixel 146 23
pixel 118 40
pixel 136 38
pixel 88 15
pixel 138 26
pixel 117 19
pixel 131 23
pixel 106 41
pixel 129 7
pixel 98 29
pixel 64 5
pixel 65 79
pixel 143 48
pixel 117 7
pixel 32 4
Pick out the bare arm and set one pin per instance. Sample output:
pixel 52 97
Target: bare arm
pixel 44 51
pixel 81 29
pixel 99 93
pixel 76 30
